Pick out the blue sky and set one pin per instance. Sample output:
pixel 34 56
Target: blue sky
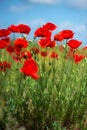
pixel 66 14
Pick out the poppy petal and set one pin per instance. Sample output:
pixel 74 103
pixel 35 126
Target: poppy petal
pixel 74 43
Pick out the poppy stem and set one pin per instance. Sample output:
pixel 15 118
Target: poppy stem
pixel 22 35
pixel 13 36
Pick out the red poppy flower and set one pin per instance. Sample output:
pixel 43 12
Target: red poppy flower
pixel 16 53
pixel 10 49
pixel 67 34
pixel 42 32
pixel 30 68
pixel 4 32
pixel 34 50
pixel 4 42
pixel 78 58
pixel 84 48
pixel 44 42
pixel 13 28
pixel 17 50
pixel 74 43
pixel 26 54
pixel 58 37
pixel 22 28
pixel 21 43
pixel 52 44
pixel 44 54
pixel 4 65
pixel 50 26
pixel 54 55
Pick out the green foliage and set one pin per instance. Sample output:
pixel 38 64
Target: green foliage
pixel 56 101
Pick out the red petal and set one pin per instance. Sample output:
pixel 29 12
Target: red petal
pixel 21 42
pixel 10 49
pixel 4 42
pixel 54 55
pixel 42 32
pixel 13 28
pixel 58 37
pixel 78 58
pixel 50 26
pixel 52 44
pixel 74 43
pixel 4 32
pixel 44 42
pixel 22 28
pixel 67 34
pixel 35 76
pixel 30 67
pixel 44 54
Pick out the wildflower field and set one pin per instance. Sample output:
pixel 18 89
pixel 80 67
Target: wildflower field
pixel 43 83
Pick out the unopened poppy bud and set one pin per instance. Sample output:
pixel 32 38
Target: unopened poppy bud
pixel 30 40
pixel 24 36
pixel 64 45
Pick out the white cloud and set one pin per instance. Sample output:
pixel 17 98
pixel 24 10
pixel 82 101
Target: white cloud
pixel 45 1
pixel 65 25
pixel 20 8
pixel 34 23
pixel 78 3
pixel 78 28
pixel 82 4
pixel 37 22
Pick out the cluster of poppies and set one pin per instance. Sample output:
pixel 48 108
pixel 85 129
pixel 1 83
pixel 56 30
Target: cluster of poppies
pixel 45 32
pixel 46 40
pixel 18 48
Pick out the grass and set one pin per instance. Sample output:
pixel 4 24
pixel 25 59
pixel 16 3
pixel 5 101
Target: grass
pixel 55 101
